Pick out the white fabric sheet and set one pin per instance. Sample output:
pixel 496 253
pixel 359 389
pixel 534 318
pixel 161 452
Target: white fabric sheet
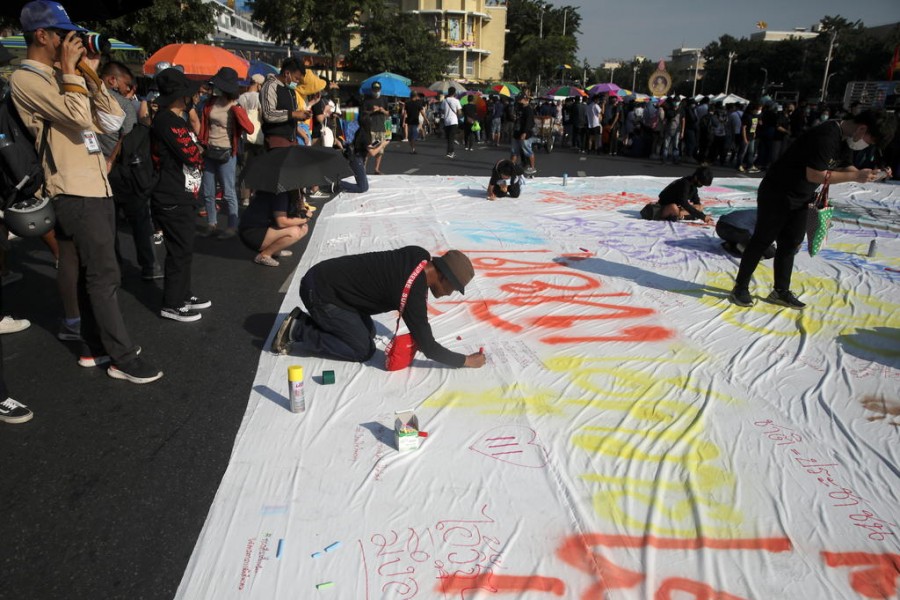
pixel 633 434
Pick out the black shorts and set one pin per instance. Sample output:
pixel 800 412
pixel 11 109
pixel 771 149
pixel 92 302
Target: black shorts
pixel 253 237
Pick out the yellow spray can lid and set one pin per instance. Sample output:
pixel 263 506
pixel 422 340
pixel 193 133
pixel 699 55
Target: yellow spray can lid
pixel 295 373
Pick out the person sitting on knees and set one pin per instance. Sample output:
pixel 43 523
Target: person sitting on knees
pixel 506 180
pixel 679 199
pixel 266 228
pixel 736 228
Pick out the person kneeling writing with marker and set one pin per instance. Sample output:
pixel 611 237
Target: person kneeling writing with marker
pixel 342 293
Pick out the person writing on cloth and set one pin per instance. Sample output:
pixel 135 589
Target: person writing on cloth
pixel 342 293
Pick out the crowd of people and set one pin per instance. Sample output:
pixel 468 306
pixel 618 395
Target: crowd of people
pixel 158 163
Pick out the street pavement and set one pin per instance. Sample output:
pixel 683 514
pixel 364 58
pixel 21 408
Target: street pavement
pixel 104 492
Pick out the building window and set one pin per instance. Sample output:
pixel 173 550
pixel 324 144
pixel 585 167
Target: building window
pixel 453 30
pixel 470 66
pixel 437 27
pixel 470 30
pixel 453 67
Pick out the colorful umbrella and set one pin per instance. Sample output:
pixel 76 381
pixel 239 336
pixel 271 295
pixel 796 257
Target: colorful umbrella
pixel 567 90
pixel 603 88
pixel 506 89
pixel 198 60
pixel 261 68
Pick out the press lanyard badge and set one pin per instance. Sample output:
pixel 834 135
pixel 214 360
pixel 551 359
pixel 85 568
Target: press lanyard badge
pixel 90 142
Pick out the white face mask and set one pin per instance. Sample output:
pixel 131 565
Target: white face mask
pixel 859 144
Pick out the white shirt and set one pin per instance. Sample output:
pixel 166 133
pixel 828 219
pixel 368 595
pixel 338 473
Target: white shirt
pixel 594 115
pixel 452 108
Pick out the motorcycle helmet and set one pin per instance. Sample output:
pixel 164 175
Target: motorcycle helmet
pixel 30 218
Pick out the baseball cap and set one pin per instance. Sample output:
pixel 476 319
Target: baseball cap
pixel 43 14
pixel 376 85
pixel 258 78
pixel 456 267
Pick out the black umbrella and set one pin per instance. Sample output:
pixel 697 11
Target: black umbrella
pixel 84 10
pixel 293 168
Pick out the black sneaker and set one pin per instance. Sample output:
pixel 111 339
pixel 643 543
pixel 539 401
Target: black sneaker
pixel 741 297
pixel 785 298
pixel 136 371
pixel 281 343
pixel 14 412
pixel 195 303
pixel 183 314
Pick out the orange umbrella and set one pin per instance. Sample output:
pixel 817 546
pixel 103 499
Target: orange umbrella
pixel 197 59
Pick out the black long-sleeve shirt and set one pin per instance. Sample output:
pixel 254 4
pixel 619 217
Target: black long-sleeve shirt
pixel 372 283
pixel 177 158
pixel 682 192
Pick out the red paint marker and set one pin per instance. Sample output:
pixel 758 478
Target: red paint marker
pixel 423 434
pixel 481 350
pixel 584 249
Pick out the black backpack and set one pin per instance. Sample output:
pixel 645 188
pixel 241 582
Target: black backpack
pixel 21 172
pixel 133 175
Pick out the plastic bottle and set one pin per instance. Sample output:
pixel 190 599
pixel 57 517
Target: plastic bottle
pixel 565 179
pixel 873 248
pixel 295 385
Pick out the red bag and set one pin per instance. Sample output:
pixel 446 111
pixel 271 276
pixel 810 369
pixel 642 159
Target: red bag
pixel 402 349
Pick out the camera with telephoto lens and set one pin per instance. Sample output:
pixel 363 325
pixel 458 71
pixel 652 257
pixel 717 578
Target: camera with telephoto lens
pixel 95 43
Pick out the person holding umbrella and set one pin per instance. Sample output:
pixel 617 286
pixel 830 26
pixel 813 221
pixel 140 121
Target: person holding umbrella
pixel 179 161
pixel 222 123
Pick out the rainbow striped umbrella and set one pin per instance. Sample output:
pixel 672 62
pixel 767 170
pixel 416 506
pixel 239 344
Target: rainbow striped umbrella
pixel 567 90
pixel 505 89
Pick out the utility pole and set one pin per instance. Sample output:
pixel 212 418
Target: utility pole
pixel 537 89
pixel 731 56
pixel 565 14
pixel 634 78
pixel 696 69
pixel 827 66
pixel 765 81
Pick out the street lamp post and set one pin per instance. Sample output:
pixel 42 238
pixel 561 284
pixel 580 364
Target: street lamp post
pixel 765 84
pixel 612 73
pixel 827 65
pixel 634 77
pixel 696 69
pixel 537 89
pixel 731 56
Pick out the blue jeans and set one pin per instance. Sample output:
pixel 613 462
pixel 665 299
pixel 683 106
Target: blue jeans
pixel 522 146
pixel 670 146
pixel 226 174
pixel 332 331
pixel 359 173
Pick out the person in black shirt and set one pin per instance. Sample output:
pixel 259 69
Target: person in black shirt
pixel 413 110
pixel 357 152
pixel 506 180
pixel 522 132
pixel 179 161
pixel 266 228
pixel 342 293
pixel 789 186
pixel 375 106
pixel 679 199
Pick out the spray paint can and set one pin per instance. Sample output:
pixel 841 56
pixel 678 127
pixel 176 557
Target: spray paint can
pixel 295 388
pixel 565 179
pixel 873 248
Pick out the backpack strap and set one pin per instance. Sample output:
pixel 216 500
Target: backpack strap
pixel 406 289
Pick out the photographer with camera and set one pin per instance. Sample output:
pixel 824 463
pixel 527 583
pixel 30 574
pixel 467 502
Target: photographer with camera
pixel 73 105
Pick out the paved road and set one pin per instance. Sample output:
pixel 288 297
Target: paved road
pixel 104 493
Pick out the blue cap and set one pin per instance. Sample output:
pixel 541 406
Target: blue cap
pixel 43 14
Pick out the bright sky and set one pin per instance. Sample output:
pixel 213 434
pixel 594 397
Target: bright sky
pixel 653 28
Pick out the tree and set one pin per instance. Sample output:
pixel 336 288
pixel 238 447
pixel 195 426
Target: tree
pixel 164 22
pixel 535 44
pixel 402 44
pixel 323 24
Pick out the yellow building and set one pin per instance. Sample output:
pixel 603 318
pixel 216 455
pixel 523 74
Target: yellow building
pixel 475 30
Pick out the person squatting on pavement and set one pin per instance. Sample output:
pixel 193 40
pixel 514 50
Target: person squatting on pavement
pixel 342 293
pixel 72 103
pixel 789 186
pixel 507 178
pixel 679 200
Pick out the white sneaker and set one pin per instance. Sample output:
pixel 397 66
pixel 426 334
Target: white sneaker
pixel 10 325
pixel 319 194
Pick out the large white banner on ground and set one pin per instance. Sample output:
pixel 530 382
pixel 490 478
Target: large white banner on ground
pixel 633 434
